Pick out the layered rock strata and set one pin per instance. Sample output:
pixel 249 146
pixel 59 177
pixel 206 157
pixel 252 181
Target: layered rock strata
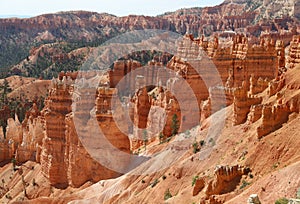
pixel 226 178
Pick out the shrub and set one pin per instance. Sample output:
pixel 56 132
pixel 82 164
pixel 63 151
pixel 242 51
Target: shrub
pixel 195 178
pixel 188 133
pixel 167 194
pixel 202 142
pixel 154 183
pixel 196 147
pixel 14 162
pixel 143 181
pixel 8 196
pixel 34 183
pixel 282 201
pixel 161 138
pixel 244 184
pixel 164 177
pixel 211 140
pixel 175 125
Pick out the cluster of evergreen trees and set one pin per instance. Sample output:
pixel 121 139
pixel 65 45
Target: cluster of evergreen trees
pixel 9 107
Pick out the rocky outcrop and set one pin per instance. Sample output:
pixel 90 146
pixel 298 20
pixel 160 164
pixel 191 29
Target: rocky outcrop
pixel 257 85
pixel 276 85
pixel 7 149
pixel 23 141
pixel 57 106
pixel 272 119
pixel 161 116
pixel 199 186
pixel 68 132
pixel 120 69
pixel 294 52
pixel 253 199
pixel 114 127
pixel 274 115
pixel 242 104
pixel 225 180
pixel 235 64
pixel 142 105
pixel 32 137
pixel 255 113
pixel 280 49
pixel 81 167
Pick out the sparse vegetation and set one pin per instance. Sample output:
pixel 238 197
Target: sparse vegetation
pixel 195 178
pixel 298 194
pixel 154 183
pixel 244 184
pixel 24 186
pixel 212 142
pixel 275 166
pixel 14 163
pixel 175 125
pixel 34 183
pixel 282 201
pixel 187 133
pixel 202 143
pixel 196 147
pixel 8 196
pixel 161 138
pixel 167 194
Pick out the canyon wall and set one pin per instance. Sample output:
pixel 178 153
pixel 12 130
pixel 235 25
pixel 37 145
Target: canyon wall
pixel 294 52
pixel 196 63
pixel 68 133
pixel 57 106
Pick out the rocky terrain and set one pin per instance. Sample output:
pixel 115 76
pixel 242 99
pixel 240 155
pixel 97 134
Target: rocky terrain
pixel 214 121
pixel 28 42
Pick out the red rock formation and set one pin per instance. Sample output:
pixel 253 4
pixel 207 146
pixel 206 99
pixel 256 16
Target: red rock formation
pixel 163 108
pixel 276 85
pixel 237 62
pixel 255 113
pixel 257 85
pixel 199 186
pixel 225 180
pixel 57 106
pixel 32 137
pixel 105 103
pixel 120 69
pixel 23 141
pixel 277 113
pixel 272 119
pixel 280 53
pixel 64 157
pixel 142 105
pixel 294 56
pixel 242 103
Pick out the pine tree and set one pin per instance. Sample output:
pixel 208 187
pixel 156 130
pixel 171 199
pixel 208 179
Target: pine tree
pixel 175 125
pixel 161 137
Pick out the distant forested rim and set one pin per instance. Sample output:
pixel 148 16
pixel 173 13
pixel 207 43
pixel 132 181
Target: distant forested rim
pixel 79 29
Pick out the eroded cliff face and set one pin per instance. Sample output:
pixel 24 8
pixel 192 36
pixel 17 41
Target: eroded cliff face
pixel 286 102
pixel 57 106
pixel 293 57
pixel 226 178
pixel 235 62
pixel 54 136
pixel 23 141
pixel 71 136
pixel 274 110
